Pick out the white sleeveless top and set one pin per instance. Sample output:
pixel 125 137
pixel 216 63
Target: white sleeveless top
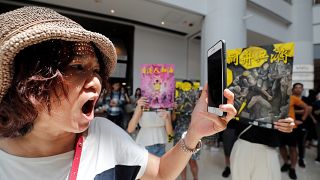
pixel 153 130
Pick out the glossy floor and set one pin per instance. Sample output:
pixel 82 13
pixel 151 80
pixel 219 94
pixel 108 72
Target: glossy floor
pixel 211 165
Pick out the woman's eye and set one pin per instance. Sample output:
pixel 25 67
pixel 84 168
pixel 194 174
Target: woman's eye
pixel 78 67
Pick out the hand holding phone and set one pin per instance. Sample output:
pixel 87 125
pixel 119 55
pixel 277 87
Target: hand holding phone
pixel 216 74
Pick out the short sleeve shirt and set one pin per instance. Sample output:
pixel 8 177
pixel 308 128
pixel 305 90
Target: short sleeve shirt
pixel 294 101
pixel 108 153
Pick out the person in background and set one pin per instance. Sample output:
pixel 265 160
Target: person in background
pixel 124 92
pixel 316 115
pixel 137 95
pixel 185 105
pixel 52 73
pixel 306 129
pixel 126 107
pixel 155 128
pixel 114 105
pixel 291 139
pixel 229 138
pixel 100 107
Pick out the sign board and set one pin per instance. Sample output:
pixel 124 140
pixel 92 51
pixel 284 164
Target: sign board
pixel 302 76
pixel 303 68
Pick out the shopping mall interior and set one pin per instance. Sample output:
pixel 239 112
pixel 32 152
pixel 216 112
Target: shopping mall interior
pixel 181 32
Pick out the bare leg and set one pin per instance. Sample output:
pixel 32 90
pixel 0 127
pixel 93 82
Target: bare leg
pixel 194 168
pixel 227 160
pixel 293 157
pixel 284 154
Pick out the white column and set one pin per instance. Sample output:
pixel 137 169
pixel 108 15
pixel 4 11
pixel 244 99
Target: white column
pixel 302 36
pixel 224 20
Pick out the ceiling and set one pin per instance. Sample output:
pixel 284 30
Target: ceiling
pixel 148 13
pixel 141 12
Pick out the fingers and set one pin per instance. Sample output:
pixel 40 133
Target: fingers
pixel 142 101
pixel 221 122
pixel 229 95
pixel 283 129
pixel 230 110
pixel 284 125
pixel 287 120
pixel 204 93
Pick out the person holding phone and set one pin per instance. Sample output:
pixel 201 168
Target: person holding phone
pixel 52 73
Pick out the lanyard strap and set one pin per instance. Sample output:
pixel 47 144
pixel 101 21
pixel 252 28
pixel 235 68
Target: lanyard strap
pixel 76 158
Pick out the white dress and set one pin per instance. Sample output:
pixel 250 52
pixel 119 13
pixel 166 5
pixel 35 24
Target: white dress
pixel 153 130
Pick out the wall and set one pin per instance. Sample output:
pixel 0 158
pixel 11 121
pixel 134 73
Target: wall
pixel 276 7
pixel 264 24
pixel 152 46
pixel 316 24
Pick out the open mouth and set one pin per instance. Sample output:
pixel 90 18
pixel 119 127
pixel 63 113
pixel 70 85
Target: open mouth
pixel 87 108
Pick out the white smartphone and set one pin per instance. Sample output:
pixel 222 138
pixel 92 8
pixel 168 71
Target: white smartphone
pixel 216 71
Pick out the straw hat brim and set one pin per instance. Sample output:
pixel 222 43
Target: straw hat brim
pixel 10 46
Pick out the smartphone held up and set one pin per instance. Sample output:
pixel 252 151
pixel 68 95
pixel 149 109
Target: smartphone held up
pixel 216 77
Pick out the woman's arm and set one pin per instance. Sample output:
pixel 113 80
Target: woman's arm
pixel 128 100
pixel 136 115
pixel 173 113
pixel 202 124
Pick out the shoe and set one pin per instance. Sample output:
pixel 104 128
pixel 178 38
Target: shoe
pixel 285 167
pixel 301 163
pixel 292 173
pixel 226 172
pixel 317 161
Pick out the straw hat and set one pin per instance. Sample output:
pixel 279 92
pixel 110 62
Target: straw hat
pixel 31 25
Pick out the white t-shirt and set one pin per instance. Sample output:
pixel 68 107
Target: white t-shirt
pixel 108 153
pixel 153 130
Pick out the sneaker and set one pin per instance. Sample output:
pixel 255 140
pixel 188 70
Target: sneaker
pixel 301 163
pixel 285 167
pixel 317 161
pixel 292 173
pixel 226 172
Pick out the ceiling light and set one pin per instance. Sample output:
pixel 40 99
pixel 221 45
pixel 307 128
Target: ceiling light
pixel 112 11
pixel 162 22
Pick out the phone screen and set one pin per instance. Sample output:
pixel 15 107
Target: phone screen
pixel 215 78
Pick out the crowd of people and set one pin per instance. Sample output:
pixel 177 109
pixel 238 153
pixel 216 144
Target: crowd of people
pixel 156 128
pixel 53 72
pixel 59 121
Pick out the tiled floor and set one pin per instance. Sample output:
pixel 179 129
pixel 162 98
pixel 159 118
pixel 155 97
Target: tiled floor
pixel 211 165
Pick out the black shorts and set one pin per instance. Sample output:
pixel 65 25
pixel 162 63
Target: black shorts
pixel 288 139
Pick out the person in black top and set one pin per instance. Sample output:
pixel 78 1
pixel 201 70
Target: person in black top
pixel 254 155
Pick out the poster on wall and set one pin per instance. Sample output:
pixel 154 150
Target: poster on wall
pixel 158 86
pixel 261 79
pixel 187 93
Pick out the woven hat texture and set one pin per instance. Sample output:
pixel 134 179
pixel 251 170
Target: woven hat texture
pixel 31 25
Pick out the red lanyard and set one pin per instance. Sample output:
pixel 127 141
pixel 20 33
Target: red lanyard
pixel 76 158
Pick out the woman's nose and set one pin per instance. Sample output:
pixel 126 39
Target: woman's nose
pixel 93 82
